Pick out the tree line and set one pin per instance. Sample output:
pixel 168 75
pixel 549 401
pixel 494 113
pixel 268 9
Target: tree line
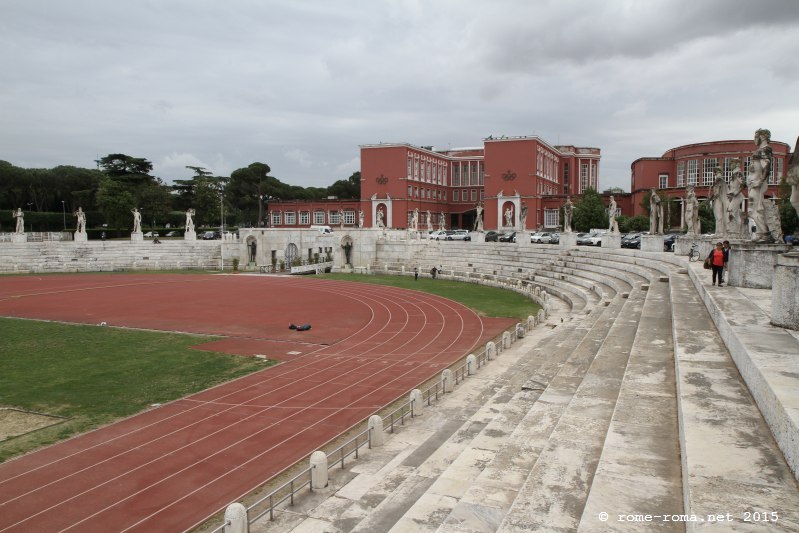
pixel 121 182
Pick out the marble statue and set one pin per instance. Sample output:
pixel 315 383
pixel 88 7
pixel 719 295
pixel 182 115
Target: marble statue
pixel 692 212
pixel 478 221
pixel 613 225
pixel 81 220
pixel 509 217
pixel 567 215
pixel 523 217
pixel 136 220
pixel 792 178
pixel 442 221
pixel 341 218
pixel 415 219
pixel 380 223
pixel 360 218
pixel 718 199
pixel 655 214
pixel 736 223
pixel 429 220
pixel 20 216
pixel 759 171
pixel 189 221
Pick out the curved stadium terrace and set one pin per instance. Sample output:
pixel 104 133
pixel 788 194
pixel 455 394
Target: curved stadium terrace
pixel 641 391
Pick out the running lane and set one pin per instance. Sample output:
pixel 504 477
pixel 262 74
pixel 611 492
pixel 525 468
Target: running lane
pixel 172 467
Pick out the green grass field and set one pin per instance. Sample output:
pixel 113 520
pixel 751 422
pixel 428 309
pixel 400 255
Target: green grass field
pixel 92 375
pixel 487 301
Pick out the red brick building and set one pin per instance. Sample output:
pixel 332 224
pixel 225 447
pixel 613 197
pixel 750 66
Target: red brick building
pixel 504 174
pixel 695 164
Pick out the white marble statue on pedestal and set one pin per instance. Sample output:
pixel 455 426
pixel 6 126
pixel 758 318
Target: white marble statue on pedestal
pixel 718 199
pixel 478 221
pixel 136 220
pixel 792 178
pixel 655 214
pixel 189 220
pixel 567 215
pixel 442 221
pixel 523 217
pixel 692 212
pixel 20 216
pixel 380 223
pixel 761 210
pixel 80 222
pixel 429 221
pixel 415 219
pixel 360 218
pixel 736 223
pixel 613 225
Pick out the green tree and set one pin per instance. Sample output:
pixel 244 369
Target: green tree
pixel 707 220
pixel 115 201
pixel 349 188
pixel 590 212
pixel 788 217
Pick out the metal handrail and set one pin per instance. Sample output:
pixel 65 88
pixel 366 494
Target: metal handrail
pixel 272 504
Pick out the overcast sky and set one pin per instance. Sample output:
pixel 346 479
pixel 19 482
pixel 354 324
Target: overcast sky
pixel 300 84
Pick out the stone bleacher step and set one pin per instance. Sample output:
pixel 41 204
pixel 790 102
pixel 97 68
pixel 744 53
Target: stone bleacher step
pixel 730 461
pixel 554 492
pixel 480 485
pixel 639 469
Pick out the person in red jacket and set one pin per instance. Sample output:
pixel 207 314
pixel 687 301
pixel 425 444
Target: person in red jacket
pixel 717 259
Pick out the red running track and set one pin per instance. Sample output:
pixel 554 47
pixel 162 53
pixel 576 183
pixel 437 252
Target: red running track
pixel 170 468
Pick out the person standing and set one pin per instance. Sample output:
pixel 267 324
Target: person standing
pixel 726 248
pixel 717 263
pixel 416 273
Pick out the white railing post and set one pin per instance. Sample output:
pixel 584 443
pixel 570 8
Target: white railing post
pixel 236 518
pixel 447 380
pixel 471 364
pixel 318 470
pixel 376 435
pixel 491 350
pixel 416 402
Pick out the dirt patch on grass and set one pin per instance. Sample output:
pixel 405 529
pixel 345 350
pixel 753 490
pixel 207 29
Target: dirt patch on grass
pixel 14 422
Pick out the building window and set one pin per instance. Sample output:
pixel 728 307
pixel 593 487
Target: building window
pixel 410 218
pixel 664 181
pixel 481 178
pixel 583 177
pixel 291 218
pixel 410 191
pixel 474 195
pixel 333 217
pixel 551 218
pixel 680 173
pixel 456 174
pixel 776 172
pixel 709 169
pixel 410 167
pixel 454 195
pixel 318 217
pixel 726 169
pixel 277 218
pixel 349 217
pixel 305 217
pixel 693 171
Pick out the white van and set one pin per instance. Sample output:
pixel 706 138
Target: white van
pixel 324 230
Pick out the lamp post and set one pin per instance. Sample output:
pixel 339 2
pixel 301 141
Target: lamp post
pixel 260 210
pixel 64 209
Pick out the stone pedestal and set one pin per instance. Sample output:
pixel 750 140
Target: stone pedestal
pixel 568 240
pixel 785 300
pixel 80 237
pixel 752 265
pixel 18 238
pixel 137 236
pixel 477 236
pixel 612 241
pixel 190 236
pixel 651 243
pixel 523 238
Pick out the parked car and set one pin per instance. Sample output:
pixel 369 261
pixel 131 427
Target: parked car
pixel 458 235
pixel 209 235
pixel 508 237
pixel 554 238
pixel 632 240
pixel 541 237
pixel 151 234
pixel 438 235
pixel 493 236
pixel 173 234
pixel 592 239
